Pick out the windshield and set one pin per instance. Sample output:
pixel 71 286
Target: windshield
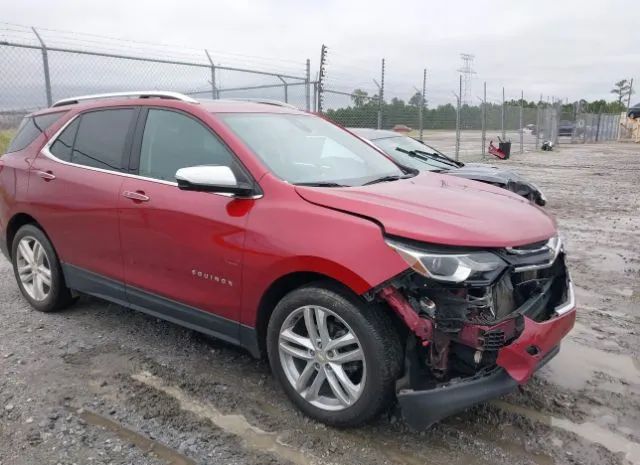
pixel 305 149
pixel 397 148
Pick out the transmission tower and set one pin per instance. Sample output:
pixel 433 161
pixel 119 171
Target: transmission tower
pixel 467 72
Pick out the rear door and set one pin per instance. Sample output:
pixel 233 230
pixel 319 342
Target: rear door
pixel 182 250
pixel 74 187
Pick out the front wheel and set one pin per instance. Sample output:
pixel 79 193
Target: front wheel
pixel 336 358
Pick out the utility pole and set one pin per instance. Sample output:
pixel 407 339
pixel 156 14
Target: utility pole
pixel 45 66
pixel 467 72
pixel 423 101
pixel 321 77
pixel 629 95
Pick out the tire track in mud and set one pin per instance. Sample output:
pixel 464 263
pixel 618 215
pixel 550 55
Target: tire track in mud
pixel 252 436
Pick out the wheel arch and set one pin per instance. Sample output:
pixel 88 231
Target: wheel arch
pixel 280 288
pixel 17 221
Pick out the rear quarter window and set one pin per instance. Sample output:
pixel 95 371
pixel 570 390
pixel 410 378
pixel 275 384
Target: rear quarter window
pixel 30 128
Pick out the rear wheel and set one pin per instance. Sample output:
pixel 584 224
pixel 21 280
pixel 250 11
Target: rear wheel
pixel 336 358
pixel 37 270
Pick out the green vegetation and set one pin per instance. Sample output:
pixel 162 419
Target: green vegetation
pixel 363 111
pixel 5 138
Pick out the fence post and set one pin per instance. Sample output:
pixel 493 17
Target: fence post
pixel 484 120
pixel 320 84
pixel 538 125
pixel 423 101
pixel 214 90
pixel 315 96
pixel 381 96
pixel 307 88
pixel 521 129
pixel 502 117
pixel 598 127
pixel 286 89
pixel 458 98
pixel 45 65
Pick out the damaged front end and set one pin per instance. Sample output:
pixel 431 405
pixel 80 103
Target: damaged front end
pixel 481 321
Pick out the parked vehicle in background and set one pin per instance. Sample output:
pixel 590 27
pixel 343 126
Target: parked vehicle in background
pixel 566 128
pixel 416 154
pixel 361 280
pixel 634 111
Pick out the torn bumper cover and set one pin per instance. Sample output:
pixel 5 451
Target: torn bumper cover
pixel 538 343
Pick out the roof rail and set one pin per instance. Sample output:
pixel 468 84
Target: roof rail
pixel 266 101
pixel 141 94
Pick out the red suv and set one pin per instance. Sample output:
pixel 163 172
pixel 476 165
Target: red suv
pixel 361 281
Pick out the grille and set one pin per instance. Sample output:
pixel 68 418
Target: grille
pixel 493 340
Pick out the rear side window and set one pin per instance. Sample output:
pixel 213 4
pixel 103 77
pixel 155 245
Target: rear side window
pixel 63 145
pixel 101 139
pixel 30 128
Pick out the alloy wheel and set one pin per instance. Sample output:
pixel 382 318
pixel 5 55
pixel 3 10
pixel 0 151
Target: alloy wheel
pixel 34 268
pixel 322 358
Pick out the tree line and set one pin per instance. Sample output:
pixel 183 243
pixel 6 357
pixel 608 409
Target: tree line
pixel 363 111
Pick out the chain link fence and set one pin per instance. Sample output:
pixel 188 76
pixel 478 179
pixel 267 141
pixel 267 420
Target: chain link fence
pixel 42 66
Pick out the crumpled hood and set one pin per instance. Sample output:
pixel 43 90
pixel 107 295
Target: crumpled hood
pixel 487 173
pixel 441 209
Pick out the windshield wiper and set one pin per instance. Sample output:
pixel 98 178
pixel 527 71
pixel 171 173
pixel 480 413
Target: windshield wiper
pixel 320 184
pixel 441 157
pixel 392 177
pixel 428 156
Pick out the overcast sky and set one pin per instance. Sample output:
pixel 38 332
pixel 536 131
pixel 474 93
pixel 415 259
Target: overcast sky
pixel 568 49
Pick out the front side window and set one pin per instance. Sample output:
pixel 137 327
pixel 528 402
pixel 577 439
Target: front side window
pixel 172 141
pixel 101 139
pixel 304 149
pixel 30 128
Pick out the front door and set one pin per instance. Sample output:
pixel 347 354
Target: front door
pixel 182 250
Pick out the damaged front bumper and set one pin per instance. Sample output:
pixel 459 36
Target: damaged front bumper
pixel 422 409
pixel 473 340
pixel 538 343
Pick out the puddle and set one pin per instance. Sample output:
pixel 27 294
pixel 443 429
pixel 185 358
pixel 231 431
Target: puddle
pixel 588 430
pixel 148 446
pixel 576 364
pixel 253 437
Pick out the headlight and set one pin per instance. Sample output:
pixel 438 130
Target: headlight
pixel 542 196
pixel 447 267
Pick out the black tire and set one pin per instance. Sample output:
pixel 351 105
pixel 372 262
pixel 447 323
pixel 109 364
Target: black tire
pixel 59 296
pixel 379 340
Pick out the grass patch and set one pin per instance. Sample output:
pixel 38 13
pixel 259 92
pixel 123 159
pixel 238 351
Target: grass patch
pixel 5 138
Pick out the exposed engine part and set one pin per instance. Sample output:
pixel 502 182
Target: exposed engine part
pixel 439 354
pixel 421 327
pixel 460 328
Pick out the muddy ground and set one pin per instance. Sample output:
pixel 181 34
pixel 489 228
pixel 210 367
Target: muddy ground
pixel 99 384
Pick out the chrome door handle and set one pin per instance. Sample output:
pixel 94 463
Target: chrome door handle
pixel 46 175
pixel 137 196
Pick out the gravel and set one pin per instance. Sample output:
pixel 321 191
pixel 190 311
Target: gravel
pixel 99 384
